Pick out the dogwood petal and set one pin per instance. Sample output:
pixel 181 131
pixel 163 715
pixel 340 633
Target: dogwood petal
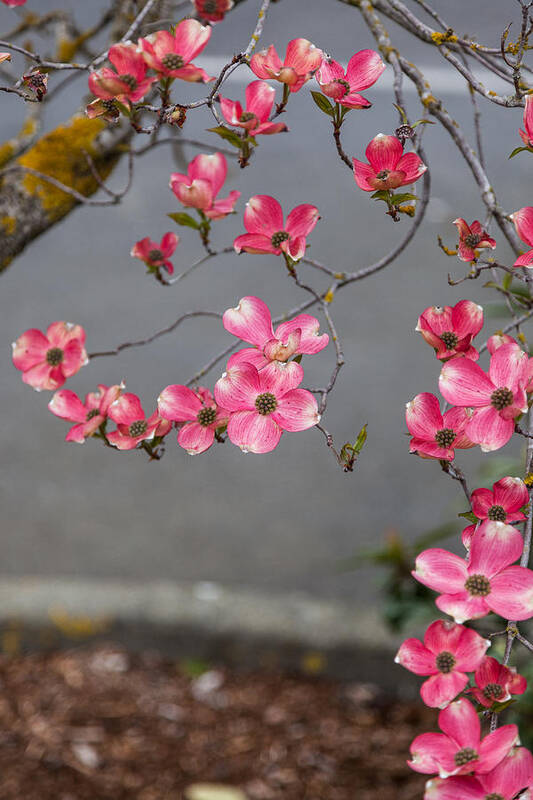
pixel 467 318
pixel 178 403
pixel 263 215
pixel 198 195
pixel 511 775
pixel 495 746
pixel 481 500
pixel 511 593
pixel 384 152
pixel 494 546
pixel 253 432
pixel 238 388
pixel 212 168
pixel 249 321
pixel 416 657
pixel 461 723
pixel 223 206
pixel 430 752
pixel 190 38
pixel 512 494
pixel 279 377
pixel 266 63
pixel 462 606
pixel 364 175
pixel 310 339
pixel 488 429
pixel 413 167
pixel 441 689
pixel 67 405
pixel 195 438
pixel 74 358
pixel 302 219
pixel 260 99
pixel 30 349
pixel 297 410
pixel 464 383
pixel 523 222
pixel 454 788
pixel 249 355
pixel 509 367
pixel 364 68
pixel 303 56
pixel 126 409
pixel 440 570
pixel 423 416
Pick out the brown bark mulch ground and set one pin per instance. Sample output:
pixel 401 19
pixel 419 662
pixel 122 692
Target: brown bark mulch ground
pixel 99 724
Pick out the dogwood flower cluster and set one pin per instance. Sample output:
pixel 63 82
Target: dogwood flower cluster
pixel 255 401
pixel 461 679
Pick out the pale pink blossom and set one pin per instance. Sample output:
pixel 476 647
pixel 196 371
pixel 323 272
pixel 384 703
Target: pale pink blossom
pixel 472 238
pixel 198 412
pixel 264 404
pixel 448 652
pixel 513 774
pixel 495 683
pixel 364 68
pixel 450 329
pixel 527 135
pixel 388 166
pixel 133 427
pixel 46 361
pixel 498 398
pixel 460 748
pixel 156 255
pixel 436 435
pixel 255 117
pixel 267 231
pixel 212 10
pixel 204 180
pixel 128 81
pixel 88 415
pixel 170 55
pixel 497 339
pixel 251 321
pixel 486 582
pixel 523 222
pixel 302 59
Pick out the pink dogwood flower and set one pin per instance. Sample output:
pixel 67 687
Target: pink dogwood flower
pixel 498 398
pixel 472 238
pixel 436 435
pixel 495 683
pixel 255 118
pixel 251 322
pixel 204 180
pixel 128 81
pixel 88 415
pixel 13 3
pixel 302 59
pixel 133 427
pixel 170 55
pixel 503 503
pixel 527 135
pixel 486 582
pixel 497 339
pixel 450 329
pixel 268 233
pixel 523 222
pixel 46 361
pixel 264 404
pixel 460 748
pixel 513 774
pixel 388 166
pixel 156 255
pixel 213 10
pixel 199 413
pixel 364 68
pixel 449 651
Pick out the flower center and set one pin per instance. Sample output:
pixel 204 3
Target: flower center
pixel 445 662
pixel 54 356
pixel 92 413
pixel 445 437
pixel 501 398
pixel 492 691
pixel 266 403
pixel 383 174
pixel 472 240
pixel 130 81
pixel 247 116
pixel 137 428
pixel 206 416
pixel 279 237
pixel 172 61
pixel 477 585
pixel 155 255
pixel 109 105
pixel 405 132
pixel 343 83
pixel 210 6
pixel 465 756
pixel 497 513
pixel 450 339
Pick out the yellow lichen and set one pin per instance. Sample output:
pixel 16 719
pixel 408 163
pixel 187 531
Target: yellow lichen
pixel 328 297
pixel 61 155
pixel 9 224
pixel 29 127
pixel 429 100
pixel 6 153
pixel 441 38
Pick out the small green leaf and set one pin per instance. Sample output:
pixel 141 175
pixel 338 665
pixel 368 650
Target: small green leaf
pixel 507 280
pixel 323 103
pixel 471 517
pixel 402 113
pixel 228 136
pixel 361 439
pixel 403 197
pixel 184 219
pixel 519 150
pixel 381 194
pixel 423 122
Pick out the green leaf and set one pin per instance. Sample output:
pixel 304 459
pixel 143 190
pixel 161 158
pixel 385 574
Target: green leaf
pixel 361 439
pixel 519 150
pixel 402 113
pixel 469 515
pixel 184 219
pixel 507 280
pixel 228 136
pixel 403 197
pixel 323 103
pixel 381 194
